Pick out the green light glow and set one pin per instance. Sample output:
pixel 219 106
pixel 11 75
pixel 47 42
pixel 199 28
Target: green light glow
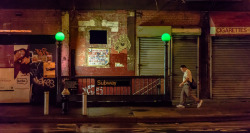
pixel 165 37
pixel 59 36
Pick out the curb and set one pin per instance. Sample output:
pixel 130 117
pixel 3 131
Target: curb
pixel 86 119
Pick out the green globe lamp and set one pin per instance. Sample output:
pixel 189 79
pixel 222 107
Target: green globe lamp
pixel 165 37
pixel 59 36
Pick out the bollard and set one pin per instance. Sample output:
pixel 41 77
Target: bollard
pixel 46 103
pixel 84 103
pixel 65 104
pixel 65 101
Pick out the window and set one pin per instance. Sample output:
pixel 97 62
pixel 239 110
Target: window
pixel 98 36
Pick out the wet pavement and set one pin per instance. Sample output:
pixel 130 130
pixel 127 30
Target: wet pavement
pixel 196 127
pixel 210 111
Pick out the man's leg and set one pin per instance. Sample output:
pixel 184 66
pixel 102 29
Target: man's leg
pixel 194 98
pixel 182 99
pixel 197 100
pixel 183 94
pixel 189 94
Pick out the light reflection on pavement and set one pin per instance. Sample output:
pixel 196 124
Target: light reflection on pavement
pixel 207 127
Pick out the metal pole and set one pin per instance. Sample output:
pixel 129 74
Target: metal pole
pixel 166 72
pixel 58 71
pixel 46 103
pixel 166 68
pixel 84 103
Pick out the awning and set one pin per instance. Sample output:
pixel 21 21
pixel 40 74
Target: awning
pixel 229 23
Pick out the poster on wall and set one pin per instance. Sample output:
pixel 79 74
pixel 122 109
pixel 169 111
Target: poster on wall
pixel 42 71
pixel 49 69
pixel 22 66
pixel 15 74
pixel 22 73
pixel 6 56
pixel 98 57
pixel 42 62
pixel 6 79
pixel 6 67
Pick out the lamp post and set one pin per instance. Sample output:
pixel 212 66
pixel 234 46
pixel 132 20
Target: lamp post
pixel 59 38
pixel 166 38
pixel 65 93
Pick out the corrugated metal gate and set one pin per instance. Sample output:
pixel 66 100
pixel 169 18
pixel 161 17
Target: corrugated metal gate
pixel 184 53
pixel 230 68
pixel 151 56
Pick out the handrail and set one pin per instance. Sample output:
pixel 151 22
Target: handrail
pixel 139 85
pixel 119 76
pixel 146 87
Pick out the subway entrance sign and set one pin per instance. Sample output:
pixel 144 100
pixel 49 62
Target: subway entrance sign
pixel 113 82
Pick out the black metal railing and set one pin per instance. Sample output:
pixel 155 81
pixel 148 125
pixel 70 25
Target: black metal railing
pixel 118 85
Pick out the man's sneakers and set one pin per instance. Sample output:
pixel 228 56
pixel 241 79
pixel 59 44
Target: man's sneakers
pixel 180 106
pixel 199 104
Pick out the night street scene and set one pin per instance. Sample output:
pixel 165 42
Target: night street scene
pixel 124 66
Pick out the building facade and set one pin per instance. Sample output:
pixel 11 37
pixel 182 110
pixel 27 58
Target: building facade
pixel 118 43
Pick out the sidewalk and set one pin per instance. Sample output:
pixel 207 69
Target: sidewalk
pixel 210 111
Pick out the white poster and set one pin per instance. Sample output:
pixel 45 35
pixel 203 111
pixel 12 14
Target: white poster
pixel 98 57
pixel 6 79
pixel 15 81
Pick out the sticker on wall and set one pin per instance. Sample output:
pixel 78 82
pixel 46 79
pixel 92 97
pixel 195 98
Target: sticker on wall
pixel 49 70
pixel 98 57
pixel 118 64
pixel 41 55
pixel 122 43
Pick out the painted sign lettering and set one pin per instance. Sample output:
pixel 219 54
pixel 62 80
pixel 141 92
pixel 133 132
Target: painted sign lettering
pixel 230 31
pixel 113 82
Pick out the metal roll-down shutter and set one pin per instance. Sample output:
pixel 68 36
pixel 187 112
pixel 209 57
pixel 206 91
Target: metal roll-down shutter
pixel 151 56
pixel 230 67
pixel 184 53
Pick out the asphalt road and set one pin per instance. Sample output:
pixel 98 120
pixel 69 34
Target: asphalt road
pixel 206 127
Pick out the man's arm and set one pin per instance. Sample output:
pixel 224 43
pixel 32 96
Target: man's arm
pixel 187 78
pixel 182 83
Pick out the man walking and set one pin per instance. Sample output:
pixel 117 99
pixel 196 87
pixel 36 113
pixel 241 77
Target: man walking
pixel 186 90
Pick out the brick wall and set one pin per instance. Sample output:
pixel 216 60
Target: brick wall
pixel 170 18
pixel 40 22
pixel 82 45
pixel 144 18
